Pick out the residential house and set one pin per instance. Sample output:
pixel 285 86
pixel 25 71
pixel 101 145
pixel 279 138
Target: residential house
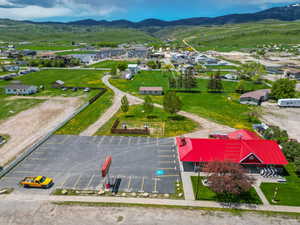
pixel 292 73
pixel 151 90
pixel 255 97
pixel 20 89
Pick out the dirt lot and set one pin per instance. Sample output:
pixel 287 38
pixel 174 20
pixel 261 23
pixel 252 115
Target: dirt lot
pixel 28 126
pixel 34 213
pixel 286 118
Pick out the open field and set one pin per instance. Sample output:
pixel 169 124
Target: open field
pixel 81 78
pixel 11 107
pixel 87 117
pixel 205 193
pixel 160 124
pixel 287 193
pixel 235 36
pixel 219 107
pixel 26 127
pixel 46 47
pixel 110 63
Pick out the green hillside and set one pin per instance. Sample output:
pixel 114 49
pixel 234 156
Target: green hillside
pixel 235 36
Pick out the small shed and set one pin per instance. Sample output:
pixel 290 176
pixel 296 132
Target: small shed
pixel 151 90
pixel 20 89
pixel 255 97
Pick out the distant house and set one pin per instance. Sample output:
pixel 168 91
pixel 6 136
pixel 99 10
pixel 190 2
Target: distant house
pixel 255 97
pixel 20 89
pixel 292 73
pixel 133 68
pixel 151 90
pixel 230 76
pixel 138 52
pixel 58 84
pixel 11 68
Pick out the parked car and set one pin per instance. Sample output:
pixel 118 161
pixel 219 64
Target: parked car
pixel 86 90
pixel 37 182
pixel 289 102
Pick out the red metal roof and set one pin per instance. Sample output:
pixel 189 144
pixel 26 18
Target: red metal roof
pixel 243 135
pixel 264 152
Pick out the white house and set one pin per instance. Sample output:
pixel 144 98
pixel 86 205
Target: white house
pixel 20 89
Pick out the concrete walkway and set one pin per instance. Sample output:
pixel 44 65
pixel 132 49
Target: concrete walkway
pixel 170 202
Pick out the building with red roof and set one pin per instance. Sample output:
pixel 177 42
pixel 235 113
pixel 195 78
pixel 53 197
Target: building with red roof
pixel 243 135
pixel 251 153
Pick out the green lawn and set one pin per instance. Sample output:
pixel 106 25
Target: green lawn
pixel 110 63
pixel 287 193
pixel 221 67
pixel 46 47
pixel 205 193
pixel 223 108
pixel 12 107
pixel 160 123
pixel 87 117
pixel 75 52
pixel 70 77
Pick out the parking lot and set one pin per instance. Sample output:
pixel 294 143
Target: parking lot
pixel 74 162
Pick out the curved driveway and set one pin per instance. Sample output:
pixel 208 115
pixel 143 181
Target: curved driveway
pixel 207 126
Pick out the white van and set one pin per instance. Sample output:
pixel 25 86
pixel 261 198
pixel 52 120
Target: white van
pixel 289 102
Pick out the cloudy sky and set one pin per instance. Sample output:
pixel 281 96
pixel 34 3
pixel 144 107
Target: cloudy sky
pixel 135 10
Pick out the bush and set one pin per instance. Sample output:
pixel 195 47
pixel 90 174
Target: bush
pixel 291 150
pixel 275 133
pixel 283 88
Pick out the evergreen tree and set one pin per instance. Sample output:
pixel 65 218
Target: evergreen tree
pixel 172 82
pixel 148 105
pixel 172 103
pixel 218 80
pixel 124 104
pixel 211 85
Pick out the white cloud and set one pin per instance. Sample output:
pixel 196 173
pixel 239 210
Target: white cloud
pixel 33 12
pixel 5 3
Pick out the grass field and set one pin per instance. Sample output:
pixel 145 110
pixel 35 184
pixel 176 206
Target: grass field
pixel 87 117
pixel 222 67
pixel 46 47
pixel 12 107
pixel 75 52
pixel 110 63
pixel 220 107
pixel 70 77
pixel 160 124
pixel 205 193
pixel 287 193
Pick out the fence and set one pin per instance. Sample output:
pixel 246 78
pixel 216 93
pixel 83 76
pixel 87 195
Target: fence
pixel 114 130
pixel 26 153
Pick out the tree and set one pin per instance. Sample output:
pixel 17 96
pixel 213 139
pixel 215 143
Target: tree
pixel 148 105
pixel 122 66
pixel 297 164
pixel 172 82
pixel 227 178
pixel 152 64
pixel 275 133
pixel 172 103
pixel 251 70
pixel 291 150
pixel 283 88
pixel 124 104
pixel 114 70
pixel 241 87
pixel 215 83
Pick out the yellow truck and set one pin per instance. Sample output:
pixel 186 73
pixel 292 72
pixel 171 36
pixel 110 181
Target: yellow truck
pixel 37 182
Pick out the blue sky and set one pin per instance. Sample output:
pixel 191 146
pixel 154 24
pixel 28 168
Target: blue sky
pixel 134 10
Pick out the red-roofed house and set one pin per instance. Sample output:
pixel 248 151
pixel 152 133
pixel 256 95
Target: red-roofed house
pixel 243 135
pixel 252 154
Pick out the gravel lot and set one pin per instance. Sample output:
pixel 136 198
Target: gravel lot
pixel 286 118
pixel 31 213
pixel 28 126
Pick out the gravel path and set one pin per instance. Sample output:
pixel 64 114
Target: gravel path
pixel 207 126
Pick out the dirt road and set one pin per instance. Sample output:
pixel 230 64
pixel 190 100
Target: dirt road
pixel 37 213
pixel 28 126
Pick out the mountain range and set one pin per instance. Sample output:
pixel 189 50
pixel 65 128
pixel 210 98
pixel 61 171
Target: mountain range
pixel 286 13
